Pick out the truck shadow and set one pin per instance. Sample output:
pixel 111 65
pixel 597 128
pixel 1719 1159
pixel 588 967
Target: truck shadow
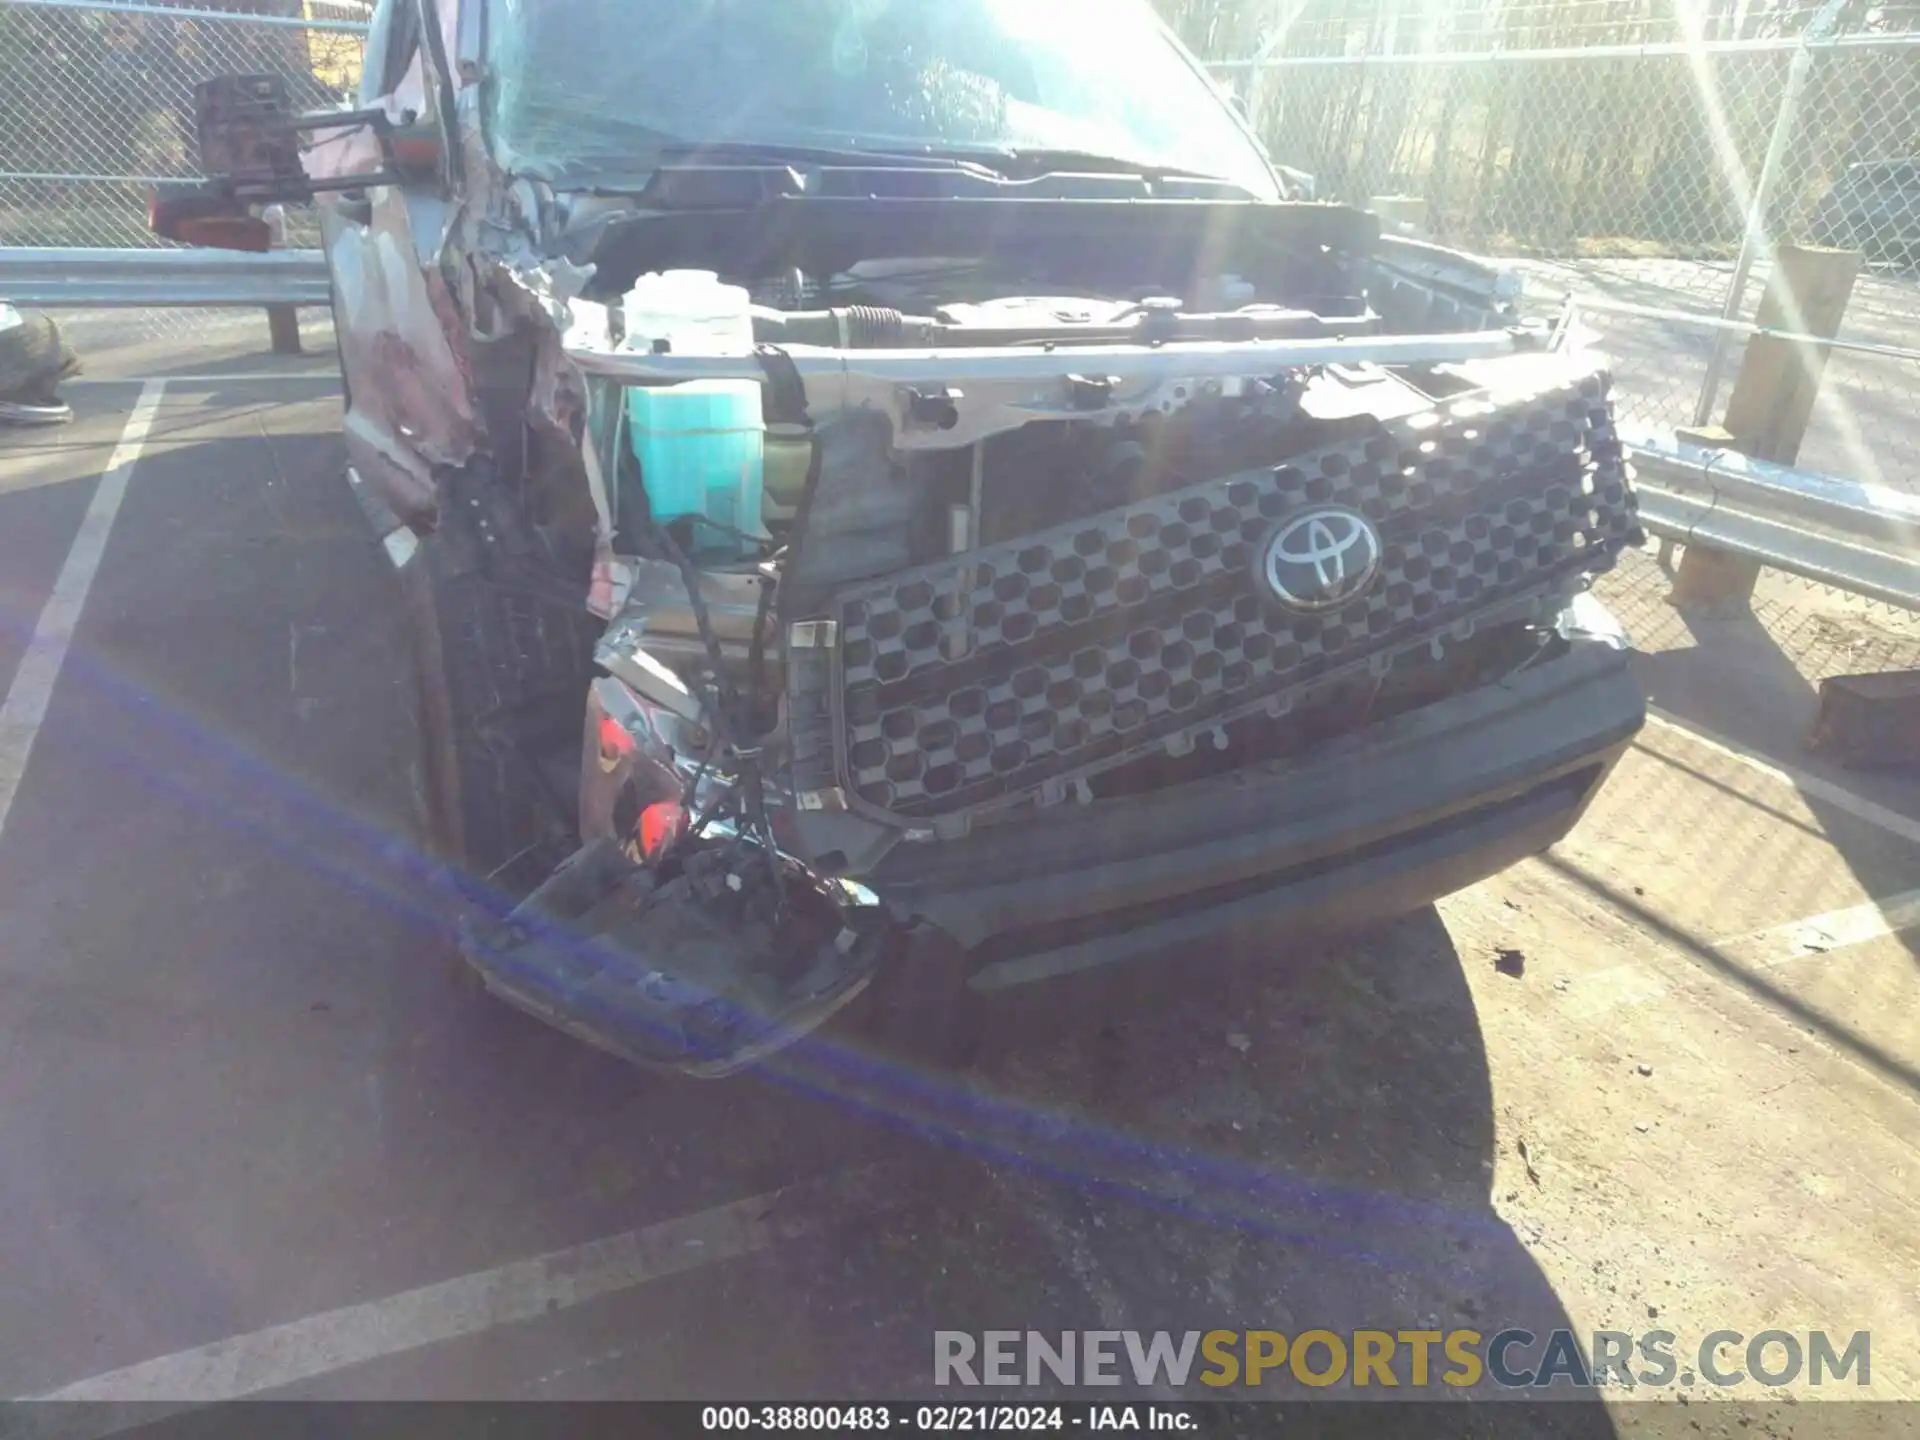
pixel 1280 1134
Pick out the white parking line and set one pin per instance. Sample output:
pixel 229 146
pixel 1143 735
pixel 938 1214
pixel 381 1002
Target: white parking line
pixel 282 1355
pixel 1835 930
pixel 27 698
pixel 1811 786
pixel 1618 987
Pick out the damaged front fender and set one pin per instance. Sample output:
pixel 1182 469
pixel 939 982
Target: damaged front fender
pixel 702 966
pixel 685 957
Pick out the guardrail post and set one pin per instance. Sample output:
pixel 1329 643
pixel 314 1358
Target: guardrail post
pixel 1772 402
pixel 283 321
pixel 283 328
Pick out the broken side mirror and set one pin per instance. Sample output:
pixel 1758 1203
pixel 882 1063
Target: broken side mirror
pixel 249 143
pixel 250 138
pixel 206 214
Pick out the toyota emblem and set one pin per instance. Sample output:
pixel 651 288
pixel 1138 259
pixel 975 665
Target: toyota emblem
pixel 1320 559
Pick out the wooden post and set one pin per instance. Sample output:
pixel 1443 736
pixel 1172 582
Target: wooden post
pixel 1772 401
pixel 1867 720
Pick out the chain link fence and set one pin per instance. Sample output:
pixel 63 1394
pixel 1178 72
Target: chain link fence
pixel 96 100
pixel 1618 161
pixel 96 104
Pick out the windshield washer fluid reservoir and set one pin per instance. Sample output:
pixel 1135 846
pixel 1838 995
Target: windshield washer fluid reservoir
pixel 701 448
pixel 701 445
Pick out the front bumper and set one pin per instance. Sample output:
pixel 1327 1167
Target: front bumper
pixel 1371 826
pixel 1359 829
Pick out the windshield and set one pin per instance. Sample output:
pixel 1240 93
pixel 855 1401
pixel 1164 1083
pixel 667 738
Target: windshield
pixel 585 89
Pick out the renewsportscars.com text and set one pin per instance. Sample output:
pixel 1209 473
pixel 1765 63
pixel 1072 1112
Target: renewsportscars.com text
pixel 1409 1359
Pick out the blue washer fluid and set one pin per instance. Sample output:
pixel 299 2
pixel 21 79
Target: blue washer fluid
pixel 701 448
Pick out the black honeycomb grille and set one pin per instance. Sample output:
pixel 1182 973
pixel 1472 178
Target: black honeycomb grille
pixel 1021 666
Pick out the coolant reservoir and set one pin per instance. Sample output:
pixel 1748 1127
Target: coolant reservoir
pixel 688 312
pixel 701 444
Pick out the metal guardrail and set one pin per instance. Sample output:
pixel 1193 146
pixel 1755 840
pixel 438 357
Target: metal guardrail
pixel 1860 538
pixel 57 277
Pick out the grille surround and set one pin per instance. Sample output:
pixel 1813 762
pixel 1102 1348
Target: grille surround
pixel 1022 668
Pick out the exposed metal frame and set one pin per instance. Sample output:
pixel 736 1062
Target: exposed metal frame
pixel 991 390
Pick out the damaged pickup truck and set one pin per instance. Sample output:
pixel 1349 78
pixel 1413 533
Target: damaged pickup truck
pixel 896 493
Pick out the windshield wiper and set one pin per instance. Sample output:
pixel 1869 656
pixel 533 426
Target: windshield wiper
pixel 1020 162
pixel 726 175
pixel 719 159
pixel 731 152
pixel 1010 163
